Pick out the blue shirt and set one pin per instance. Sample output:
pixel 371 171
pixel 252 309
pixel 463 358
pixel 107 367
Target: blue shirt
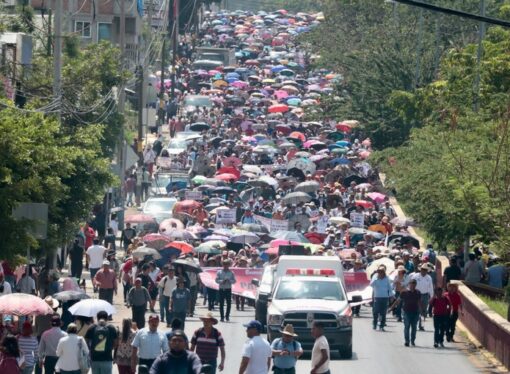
pixel 288 361
pixel 382 287
pixel 150 344
pixel 226 276
pixel 496 275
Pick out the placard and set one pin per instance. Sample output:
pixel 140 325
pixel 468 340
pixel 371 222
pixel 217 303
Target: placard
pixel 357 219
pixel 193 195
pixel 226 216
pixel 242 287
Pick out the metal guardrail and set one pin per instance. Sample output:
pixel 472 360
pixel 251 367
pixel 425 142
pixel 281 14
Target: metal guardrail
pixel 481 288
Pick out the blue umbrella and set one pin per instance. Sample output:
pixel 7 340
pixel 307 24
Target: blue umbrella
pixel 340 161
pixel 343 143
pixel 294 102
pixel 233 75
pixel 231 79
pixel 333 146
pixel 277 68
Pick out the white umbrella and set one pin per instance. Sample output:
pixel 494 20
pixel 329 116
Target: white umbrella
pixel 90 308
pixel 372 268
pixel 339 220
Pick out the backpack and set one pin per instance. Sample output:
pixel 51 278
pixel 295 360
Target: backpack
pixel 101 342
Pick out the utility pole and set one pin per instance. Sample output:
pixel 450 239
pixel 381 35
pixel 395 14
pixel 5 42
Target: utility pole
pixel 121 108
pixel 479 55
pixel 141 89
pixel 175 43
pixel 57 58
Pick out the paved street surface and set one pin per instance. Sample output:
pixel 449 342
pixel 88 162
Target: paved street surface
pixel 374 351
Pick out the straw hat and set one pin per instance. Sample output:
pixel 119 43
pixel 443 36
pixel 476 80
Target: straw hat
pixel 288 330
pixel 53 303
pixel 209 316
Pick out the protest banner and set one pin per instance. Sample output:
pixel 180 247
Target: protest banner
pixel 226 216
pixel 273 224
pixel 357 219
pixel 242 287
pixel 357 284
pixel 193 195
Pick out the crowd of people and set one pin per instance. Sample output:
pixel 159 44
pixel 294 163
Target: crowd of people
pixel 286 179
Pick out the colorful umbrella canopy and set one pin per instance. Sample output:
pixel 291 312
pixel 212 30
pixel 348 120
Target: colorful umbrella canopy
pixel 143 251
pixel 278 108
pixel 64 296
pixel 211 247
pixel 22 304
pixel 377 197
pixel 156 241
pixel 226 177
pixel 139 218
pixel 181 246
pixel 170 224
pixel 298 135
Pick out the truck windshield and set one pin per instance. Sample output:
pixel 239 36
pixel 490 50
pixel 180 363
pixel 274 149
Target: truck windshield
pixel 292 289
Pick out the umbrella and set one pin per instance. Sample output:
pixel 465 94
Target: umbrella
pixel 170 224
pixel 308 186
pixel 377 228
pixel 156 241
pixel 139 218
pixel 252 169
pixel 232 162
pixel 216 238
pixel 296 198
pixel 254 227
pixel 189 265
pixel 297 135
pixel 303 164
pixel 244 238
pixel 290 236
pixel 302 219
pixel 64 296
pixel 226 177
pixel 372 268
pixel 186 205
pixel 315 237
pixel 141 252
pixel 199 126
pixel 211 247
pixel 90 308
pixel 22 304
pixel 364 203
pixel 339 220
pixel 346 253
pixel 403 221
pixel 377 197
pixel 199 179
pixel 181 246
pixel 278 108
pixel 278 242
pixel 181 233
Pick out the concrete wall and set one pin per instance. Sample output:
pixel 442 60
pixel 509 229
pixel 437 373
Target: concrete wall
pixel 488 327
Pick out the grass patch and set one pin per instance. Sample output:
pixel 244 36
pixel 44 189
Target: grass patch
pixel 497 305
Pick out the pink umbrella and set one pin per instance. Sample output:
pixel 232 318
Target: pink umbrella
pixel 232 162
pixel 309 143
pixel 139 218
pixel 156 241
pixel 377 197
pixel 364 154
pixel 239 84
pixel 170 224
pixel 281 94
pixel 277 242
pixel 347 253
pixel 23 304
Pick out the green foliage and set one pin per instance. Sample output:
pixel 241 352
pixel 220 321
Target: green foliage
pixel 22 21
pixel 293 6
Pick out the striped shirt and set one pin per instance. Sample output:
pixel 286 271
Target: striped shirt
pixel 28 346
pixel 207 345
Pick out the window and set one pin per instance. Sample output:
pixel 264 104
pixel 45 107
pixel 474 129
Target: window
pixel 104 31
pixel 82 28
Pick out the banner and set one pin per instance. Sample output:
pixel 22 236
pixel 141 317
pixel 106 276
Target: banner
pixel 226 216
pixel 357 284
pixel 273 224
pixel 242 287
pixel 193 195
pixel 357 219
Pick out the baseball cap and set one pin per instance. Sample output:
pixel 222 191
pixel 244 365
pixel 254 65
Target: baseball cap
pixel 254 324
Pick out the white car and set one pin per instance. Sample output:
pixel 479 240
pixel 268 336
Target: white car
pixel 159 207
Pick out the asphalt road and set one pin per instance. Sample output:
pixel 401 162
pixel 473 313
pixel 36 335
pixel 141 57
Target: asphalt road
pixel 374 351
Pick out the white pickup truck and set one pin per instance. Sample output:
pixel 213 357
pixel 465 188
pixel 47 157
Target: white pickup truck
pixel 308 289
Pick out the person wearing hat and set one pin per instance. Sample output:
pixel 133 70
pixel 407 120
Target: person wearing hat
pixel 180 301
pixel 106 281
pixel 286 351
pixel 206 341
pixel 225 278
pixel 399 285
pixel 382 291
pixel 256 351
pixel 425 285
pixel 148 344
pixel 138 298
pixel 48 345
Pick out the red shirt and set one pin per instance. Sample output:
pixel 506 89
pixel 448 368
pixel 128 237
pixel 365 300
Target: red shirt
pixel 440 306
pixel 90 234
pixel 455 300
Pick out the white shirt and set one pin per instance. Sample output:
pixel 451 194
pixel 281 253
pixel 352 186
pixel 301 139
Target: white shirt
pixel 258 351
pixel 320 344
pixel 67 352
pixel 167 284
pixel 424 283
pixel 114 225
pixel 7 288
pixel 96 254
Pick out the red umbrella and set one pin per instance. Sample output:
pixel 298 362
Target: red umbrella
pixel 156 241
pixel 181 246
pixel 278 108
pixel 229 170
pixel 226 177
pixel 232 162
pixel 272 251
pixel 364 203
pixel 23 304
pixel 298 135
pixel 343 127
pixel 284 129
pixel 186 205
pixel 252 62
pixel 348 253
pixel 315 237
pixel 139 218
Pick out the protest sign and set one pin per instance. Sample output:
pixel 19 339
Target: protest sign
pixel 226 216
pixel 242 287
pixel 357 219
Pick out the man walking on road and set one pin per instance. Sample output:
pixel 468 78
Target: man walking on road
pixel 286 351
pixel 127 236
pixel 256 351
pixel 320 350
pixel 382 291
pixel 48 345
pixel 166 286
pixel 148 344
pixel 206 341
pixel 225 278
pixel 138 298
pixel 106 281
pixel 411 300
pixel 95 256
pixel 179 303
pixel 456 302
pixel 425 285
pixel 102 340
pixel 177 360
pixel 440 308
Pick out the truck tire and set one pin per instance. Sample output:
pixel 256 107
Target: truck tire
pixel 346 352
